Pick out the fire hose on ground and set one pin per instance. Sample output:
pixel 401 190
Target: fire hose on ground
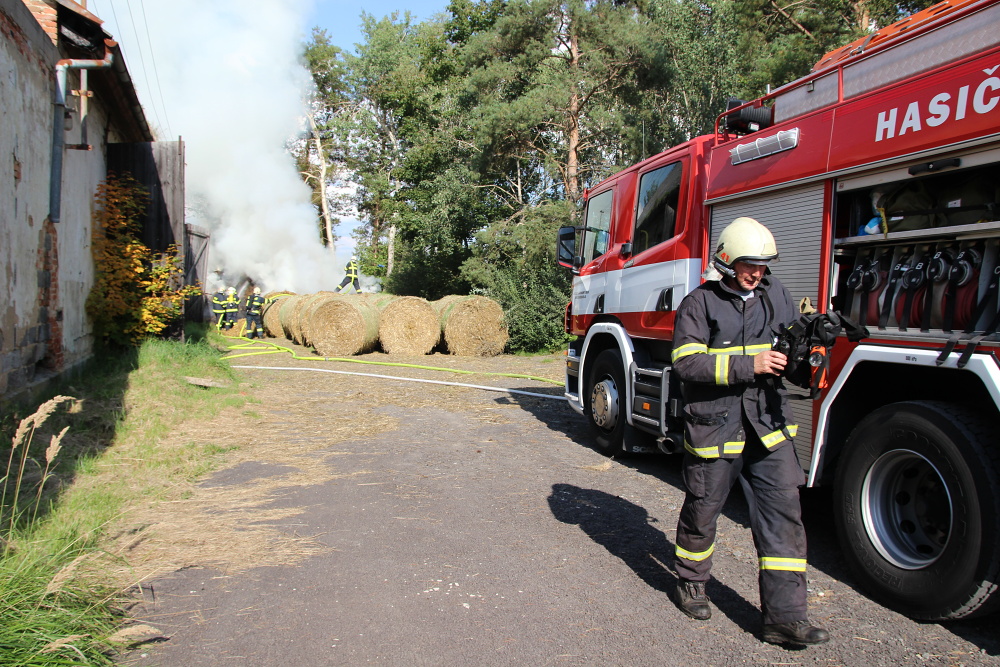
pixel 274 348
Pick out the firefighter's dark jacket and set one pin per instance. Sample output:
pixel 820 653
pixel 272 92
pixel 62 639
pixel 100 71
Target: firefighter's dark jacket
pixel 219 302
pixel 255 302
pixel 716 335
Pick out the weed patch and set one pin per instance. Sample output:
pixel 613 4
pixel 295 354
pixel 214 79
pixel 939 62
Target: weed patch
pixel 75 466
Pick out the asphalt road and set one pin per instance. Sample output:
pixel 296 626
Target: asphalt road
pixel 480 529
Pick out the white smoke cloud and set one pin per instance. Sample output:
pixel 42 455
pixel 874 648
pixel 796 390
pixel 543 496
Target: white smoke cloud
pixel 234 90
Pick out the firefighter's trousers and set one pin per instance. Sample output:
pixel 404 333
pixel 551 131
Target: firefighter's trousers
pixel 770 482
pixel 255 328
pixel 348 280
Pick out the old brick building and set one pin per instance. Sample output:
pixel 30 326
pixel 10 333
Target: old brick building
pixel 70 113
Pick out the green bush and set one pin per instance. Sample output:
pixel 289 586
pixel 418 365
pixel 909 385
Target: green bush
pixel 533 309
pixel 514 263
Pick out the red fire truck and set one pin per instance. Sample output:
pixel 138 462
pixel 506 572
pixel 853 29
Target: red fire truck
pixel 879 175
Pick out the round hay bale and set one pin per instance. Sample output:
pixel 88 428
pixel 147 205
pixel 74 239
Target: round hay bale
pixel 271 317
pixel 473 326
pixel 408 325
pixel 305 314
pixel 295 319
pixel 379 300
pixel 343 326
pixel 285 314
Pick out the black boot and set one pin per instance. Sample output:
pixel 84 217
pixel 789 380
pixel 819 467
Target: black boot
pixel 801 633
pixel 689 596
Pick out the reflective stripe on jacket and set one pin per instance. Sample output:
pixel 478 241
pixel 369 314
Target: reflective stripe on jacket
pixel 351 270
pixel 219 303
pixel 716 335
pixel 232 304
pixel 254 303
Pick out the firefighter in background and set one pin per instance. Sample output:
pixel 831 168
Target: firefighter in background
pixel 254 307
pixel 219 307
pixel 737 427
pixel 350 276
pixel 232 307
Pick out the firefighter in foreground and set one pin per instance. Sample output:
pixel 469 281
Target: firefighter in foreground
pixel 350 276
pixel 737 426
pixel 254 306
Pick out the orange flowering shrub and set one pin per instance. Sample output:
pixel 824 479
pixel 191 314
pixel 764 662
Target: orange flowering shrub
pixel 137 293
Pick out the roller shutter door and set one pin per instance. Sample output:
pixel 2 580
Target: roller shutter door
pixel 795 217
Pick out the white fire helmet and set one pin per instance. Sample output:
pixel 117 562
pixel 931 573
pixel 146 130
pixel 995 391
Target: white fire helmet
pixel 256 290
pixel 744 240
pixel 230 290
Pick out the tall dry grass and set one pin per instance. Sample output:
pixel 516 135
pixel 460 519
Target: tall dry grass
pixel 75 465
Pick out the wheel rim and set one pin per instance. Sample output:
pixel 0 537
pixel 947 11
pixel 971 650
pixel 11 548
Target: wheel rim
pixel 604 404
pixel 907 509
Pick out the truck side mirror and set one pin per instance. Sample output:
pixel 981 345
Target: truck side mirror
pixel 566 248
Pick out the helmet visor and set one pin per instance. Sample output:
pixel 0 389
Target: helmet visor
pixel 756 261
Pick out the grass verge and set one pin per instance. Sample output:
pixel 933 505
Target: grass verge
pixel 57 606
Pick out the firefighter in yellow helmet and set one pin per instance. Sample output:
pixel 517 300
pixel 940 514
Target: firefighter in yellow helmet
pixel 739 426
pixel 350 276
pixel 232 307
pixel 254 307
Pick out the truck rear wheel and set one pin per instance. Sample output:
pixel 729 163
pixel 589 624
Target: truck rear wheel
pixel 917 507
pixel 606 402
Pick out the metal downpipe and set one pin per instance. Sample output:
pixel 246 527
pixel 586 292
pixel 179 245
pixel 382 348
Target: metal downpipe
pixel 59 124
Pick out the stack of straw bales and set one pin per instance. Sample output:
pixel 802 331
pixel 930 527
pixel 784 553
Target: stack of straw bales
pixel 270 314
pixel 344 325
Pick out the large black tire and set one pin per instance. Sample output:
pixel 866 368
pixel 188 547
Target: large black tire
pixel 917 508
pixel 605 402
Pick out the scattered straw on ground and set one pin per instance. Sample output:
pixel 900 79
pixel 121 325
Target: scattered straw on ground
pixel 292 438
pixel 239 526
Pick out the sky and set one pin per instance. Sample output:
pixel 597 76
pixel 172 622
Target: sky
pixel 229 82
pixel 341 18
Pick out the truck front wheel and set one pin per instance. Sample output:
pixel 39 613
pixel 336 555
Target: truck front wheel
pixel 606 402
pixel 917 507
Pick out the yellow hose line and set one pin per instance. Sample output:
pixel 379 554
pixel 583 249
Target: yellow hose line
pixel 281 348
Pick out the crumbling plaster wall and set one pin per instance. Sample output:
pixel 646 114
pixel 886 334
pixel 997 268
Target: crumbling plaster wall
pixel 83 171
pixel 46 269
pixel 27 57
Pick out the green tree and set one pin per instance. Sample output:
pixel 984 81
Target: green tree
pixel 386 89
pixel 783 39
pixel 548 85
pixel 316 154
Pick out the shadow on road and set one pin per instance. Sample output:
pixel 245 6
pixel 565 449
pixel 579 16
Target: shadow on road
pixel 626 530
